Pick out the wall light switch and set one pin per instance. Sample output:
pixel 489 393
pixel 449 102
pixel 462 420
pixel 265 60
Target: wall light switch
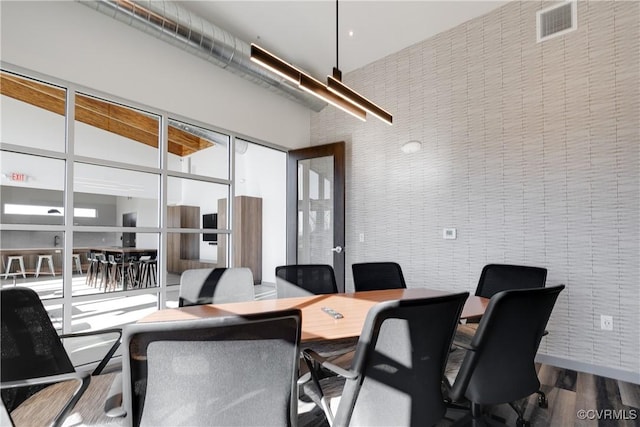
pixel 449 233
pixel 361 237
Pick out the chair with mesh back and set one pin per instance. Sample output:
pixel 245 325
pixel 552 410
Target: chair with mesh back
pixel 305 279
pixel 502 277
pixel 499 366
pixel 215 286
pixel 371 276
pixel 32 352
pixel 232 370
pixel 397 370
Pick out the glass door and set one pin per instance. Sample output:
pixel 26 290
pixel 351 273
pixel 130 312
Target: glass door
pixel 315 207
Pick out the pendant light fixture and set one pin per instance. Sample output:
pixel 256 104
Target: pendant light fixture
pixel 335 85
pixel 335 92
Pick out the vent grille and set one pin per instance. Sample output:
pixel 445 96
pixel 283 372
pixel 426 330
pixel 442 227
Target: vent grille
pixel 557 20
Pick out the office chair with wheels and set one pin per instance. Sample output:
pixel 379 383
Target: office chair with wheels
pixel 498 366
pixel 215 285
pixel 495 278
pixel 32 352
pixel 305 279
pixel 232 370
pixel 370 276
pixel 397 370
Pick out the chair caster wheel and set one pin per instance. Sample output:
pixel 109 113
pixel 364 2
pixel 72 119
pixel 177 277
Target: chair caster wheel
pixel 520 422
pixel 542 401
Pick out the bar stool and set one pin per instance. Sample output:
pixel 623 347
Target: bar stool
pixel 148 275
pixel 20 260
pixel 49 259
pixel 78 264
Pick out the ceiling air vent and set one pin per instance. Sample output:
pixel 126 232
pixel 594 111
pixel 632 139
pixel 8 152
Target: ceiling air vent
pixel 557 20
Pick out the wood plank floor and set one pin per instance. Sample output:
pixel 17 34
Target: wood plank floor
pixel 567 392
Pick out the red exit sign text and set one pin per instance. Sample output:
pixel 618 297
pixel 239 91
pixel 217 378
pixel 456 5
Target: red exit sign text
pixel 16 176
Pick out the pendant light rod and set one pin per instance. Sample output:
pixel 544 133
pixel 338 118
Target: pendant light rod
pixel 337 38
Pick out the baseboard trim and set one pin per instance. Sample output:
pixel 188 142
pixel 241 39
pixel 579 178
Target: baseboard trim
pixel 603 371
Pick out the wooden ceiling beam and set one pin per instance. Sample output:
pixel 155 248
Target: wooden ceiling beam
pixel 104 115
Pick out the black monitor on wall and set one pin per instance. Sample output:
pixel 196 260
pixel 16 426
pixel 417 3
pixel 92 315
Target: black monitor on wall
pixel 210 221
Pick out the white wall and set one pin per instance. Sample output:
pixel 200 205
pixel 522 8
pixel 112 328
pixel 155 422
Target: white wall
pixel 70 41
pixel 530 149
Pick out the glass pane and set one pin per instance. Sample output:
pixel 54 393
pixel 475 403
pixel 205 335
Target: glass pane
pixel 315 211
pixel 187 251
pixel 197 150
pixel 33 113
pixel 109 131
pixel 32 189
pixel 194 204
pixel 262 172
pixel 107 266
pixel 118 195
pixel 33 259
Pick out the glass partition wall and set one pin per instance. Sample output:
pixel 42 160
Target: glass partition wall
pixel 105 203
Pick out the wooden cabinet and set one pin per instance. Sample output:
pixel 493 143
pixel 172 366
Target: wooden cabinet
pixel 246 234
pixel 183 250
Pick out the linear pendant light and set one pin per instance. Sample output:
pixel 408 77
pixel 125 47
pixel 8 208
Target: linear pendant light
pixel 335 85
pixel 303 80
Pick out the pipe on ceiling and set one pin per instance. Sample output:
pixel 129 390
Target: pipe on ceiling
pixel 171 23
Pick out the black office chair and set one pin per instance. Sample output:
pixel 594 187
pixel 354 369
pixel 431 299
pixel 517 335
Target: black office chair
pixel 233 370
pixel 499 364
pixel 371 276
pixel 305 279
pixel 32 352
pixel 215 286
pixel 502 277
pixel 397 371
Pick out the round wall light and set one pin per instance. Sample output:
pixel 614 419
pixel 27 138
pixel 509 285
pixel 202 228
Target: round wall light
pixel 412 146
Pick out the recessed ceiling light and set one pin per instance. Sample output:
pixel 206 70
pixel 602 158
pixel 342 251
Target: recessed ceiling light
pixel 351 33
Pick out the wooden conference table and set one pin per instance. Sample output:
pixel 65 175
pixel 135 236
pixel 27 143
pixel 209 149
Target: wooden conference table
pixel 316 324
pixel 317 327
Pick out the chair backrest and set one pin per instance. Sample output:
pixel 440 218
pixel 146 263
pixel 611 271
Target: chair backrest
pixel 503 277
pixel 314 279
pixel 31 346
pixel 215 285
pixel 371 276
pixel 502 368
pixel 400 358
pixel 233 370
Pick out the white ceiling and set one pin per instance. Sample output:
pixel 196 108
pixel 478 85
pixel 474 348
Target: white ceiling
pixel 304 32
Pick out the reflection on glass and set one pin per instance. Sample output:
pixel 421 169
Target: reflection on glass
pixel 115 194
pixel 33 259
pixel 110 313
pixel 25 102
pixel 109 266
pixel 109 131
pixel 315 211
pixel 196 150
pixel 32 189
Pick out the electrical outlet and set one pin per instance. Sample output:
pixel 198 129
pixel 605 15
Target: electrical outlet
pixel 606 322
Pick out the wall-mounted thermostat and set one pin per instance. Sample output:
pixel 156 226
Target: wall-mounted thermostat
pixel 449 233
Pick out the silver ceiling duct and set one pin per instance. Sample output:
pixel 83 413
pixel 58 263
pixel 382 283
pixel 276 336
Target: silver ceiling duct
pixel 185 30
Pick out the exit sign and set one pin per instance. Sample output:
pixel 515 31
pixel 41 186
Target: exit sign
pixel 17 176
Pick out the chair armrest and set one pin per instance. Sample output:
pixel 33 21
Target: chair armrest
pixel 312 356
pixel 98 370
pixel 83 379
